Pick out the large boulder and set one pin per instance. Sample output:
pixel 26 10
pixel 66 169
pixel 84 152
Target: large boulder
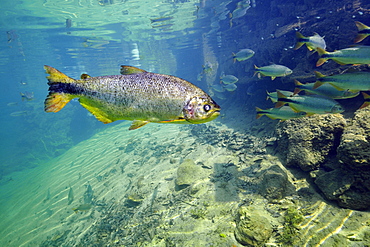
pixel 306 142
pixel 354 149
pixel 188 173
pixel 349 185
pixel 274 184
pixel 252 229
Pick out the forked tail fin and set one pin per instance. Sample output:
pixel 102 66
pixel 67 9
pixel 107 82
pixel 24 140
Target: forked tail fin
pixel 57 99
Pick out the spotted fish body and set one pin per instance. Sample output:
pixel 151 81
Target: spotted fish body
pixel 135 95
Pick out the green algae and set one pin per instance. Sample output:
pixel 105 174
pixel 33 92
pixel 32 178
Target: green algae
pixel 292 219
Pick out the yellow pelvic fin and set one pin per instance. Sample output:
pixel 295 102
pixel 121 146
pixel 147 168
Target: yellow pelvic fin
pixel 273 78
pixel 55 76
pixel 95 109
pixel 56 101
pixel 128 70
pixel 137 124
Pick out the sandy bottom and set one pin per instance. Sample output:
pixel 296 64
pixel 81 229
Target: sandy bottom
pixel 126 184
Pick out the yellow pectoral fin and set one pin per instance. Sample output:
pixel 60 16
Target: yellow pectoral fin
pixel 138 124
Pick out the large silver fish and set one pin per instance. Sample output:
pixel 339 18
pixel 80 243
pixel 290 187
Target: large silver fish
pixel 136 95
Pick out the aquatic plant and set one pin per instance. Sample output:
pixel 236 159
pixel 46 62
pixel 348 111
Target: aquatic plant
pixel 198 213
pixel 292 219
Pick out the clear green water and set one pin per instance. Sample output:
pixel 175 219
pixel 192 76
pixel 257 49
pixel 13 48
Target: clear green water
pixel 126 180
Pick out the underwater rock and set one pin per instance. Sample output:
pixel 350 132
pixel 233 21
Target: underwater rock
pixel 252 229
pixel 306 142
pixel 346 187
pixel 349 184
pixel 187 174
pixel 275 183
pixel 354 149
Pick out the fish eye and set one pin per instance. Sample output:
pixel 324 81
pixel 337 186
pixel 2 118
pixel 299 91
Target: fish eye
pixel 207 108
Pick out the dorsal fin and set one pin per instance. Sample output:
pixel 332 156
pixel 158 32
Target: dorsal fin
pixel 85 76
pixel 128 70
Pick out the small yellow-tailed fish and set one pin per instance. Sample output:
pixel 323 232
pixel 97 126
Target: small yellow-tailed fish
pixel 243 55
pixel 312 42
pixel 363 31
pixel 326 89
pixel 311 104
pixel 282 113
pixel 136 95
pixel 352 55
pixel 273 70
pixel 367 100
pixel 354 82
pixel 273 95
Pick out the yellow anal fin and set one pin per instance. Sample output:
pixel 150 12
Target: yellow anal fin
pixel 56 101
pixel 96 111
pixel 128 70
pixel 55 76
pixel 137 124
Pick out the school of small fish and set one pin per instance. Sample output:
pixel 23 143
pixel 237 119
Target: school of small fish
pixel 326 89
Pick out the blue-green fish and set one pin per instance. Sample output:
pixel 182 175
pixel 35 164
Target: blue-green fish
pixel 229 79
pixel 325 90
pixel 136 95
pixel 363 31
pixel 243 55
pixel 273 70
pixel 311 104
pixel 282 113
pixel 354 82
pixel 218 88
pixel 352 55
pixel 230 87
pixel 312 42
pixel 274 98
